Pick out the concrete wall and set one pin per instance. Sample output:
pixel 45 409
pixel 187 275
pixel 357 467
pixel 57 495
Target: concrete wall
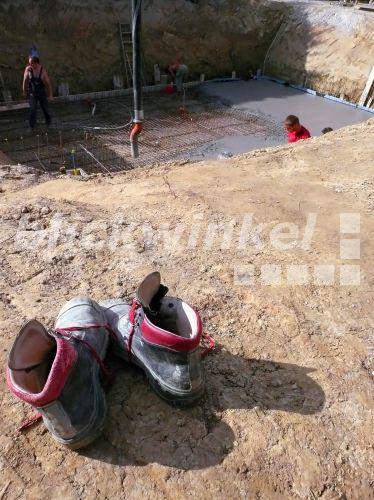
pixel 79 40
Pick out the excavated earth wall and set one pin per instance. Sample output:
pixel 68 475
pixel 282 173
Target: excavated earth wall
pixel 329 48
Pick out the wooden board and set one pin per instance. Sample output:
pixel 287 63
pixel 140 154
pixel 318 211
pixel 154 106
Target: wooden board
pixel 367 89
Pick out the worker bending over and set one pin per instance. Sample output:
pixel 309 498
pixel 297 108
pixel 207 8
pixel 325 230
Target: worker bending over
pixel 179 74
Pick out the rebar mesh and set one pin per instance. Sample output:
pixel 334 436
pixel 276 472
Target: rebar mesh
pixel 100 142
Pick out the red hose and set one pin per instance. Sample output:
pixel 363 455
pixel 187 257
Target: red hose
pixel 135 131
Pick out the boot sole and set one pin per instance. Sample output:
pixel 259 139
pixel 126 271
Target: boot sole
pixel 175 399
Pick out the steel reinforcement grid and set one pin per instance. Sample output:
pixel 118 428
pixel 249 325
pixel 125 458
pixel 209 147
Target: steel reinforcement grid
pixel 94 137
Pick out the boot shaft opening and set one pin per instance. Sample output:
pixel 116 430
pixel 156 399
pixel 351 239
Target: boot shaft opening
pixel 175 316
pixel 31 358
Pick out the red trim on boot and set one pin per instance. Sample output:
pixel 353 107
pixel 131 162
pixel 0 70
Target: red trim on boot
pixel 157 336
pixel 65 359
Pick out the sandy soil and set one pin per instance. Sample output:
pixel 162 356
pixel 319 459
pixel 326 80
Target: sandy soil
pixel 288 408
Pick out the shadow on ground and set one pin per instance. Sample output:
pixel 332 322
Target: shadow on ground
pixel 142 429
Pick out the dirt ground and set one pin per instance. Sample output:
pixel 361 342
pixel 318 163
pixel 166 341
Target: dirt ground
pixel 289 400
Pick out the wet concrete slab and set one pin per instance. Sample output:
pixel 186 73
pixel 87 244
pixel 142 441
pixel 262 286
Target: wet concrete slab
pixel 274 101
pixel 278 101
pixel 230 146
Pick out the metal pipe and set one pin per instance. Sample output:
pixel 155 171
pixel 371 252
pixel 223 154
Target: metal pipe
pixel 137 77
pixel 40 162
pixel 38 144
pixel 47 143
pixel 94 158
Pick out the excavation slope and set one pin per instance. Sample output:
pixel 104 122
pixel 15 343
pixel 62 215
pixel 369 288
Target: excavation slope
pixel 287 413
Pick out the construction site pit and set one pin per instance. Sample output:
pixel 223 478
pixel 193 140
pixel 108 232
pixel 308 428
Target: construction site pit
pixel 214 120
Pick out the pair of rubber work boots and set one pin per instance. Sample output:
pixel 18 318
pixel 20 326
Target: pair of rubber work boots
pixel 58 371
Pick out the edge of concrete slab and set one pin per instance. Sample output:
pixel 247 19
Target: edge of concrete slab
pixel 104 94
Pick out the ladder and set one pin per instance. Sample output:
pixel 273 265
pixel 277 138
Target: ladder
pixel 128 53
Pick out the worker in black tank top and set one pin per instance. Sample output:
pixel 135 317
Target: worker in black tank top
pixel 36 83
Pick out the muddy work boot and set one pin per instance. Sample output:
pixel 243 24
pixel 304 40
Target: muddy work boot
pixel 161 335
pixel 58 372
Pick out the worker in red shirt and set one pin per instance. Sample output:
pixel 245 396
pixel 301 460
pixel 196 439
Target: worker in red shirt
pixel 296 132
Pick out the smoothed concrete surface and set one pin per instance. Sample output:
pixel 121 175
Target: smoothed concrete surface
pixel 269 99
pixel 278 101
pixel 229 146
